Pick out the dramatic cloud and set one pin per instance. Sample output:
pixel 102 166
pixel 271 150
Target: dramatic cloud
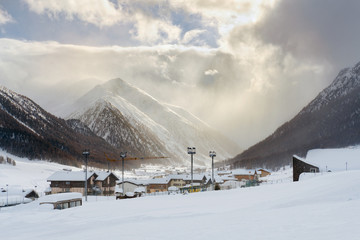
pixel 243 66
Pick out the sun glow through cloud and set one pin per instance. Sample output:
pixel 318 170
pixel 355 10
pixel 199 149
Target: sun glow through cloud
pixel 232 63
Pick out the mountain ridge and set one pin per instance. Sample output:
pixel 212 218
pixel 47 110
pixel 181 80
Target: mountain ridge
pixel 330 120
pixel 174 127
pixel 27 130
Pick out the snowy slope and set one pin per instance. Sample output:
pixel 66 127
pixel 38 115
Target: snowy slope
pixel 325 207
pixel 175 129
pixel 331 120
pixel 347 81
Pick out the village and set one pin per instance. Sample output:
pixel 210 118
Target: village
pixel 68 186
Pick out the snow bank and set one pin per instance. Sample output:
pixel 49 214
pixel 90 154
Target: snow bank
pixel 324 207
pixel 335 159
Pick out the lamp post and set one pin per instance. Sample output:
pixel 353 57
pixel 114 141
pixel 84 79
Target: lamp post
pixel 212 154
pixel 86 153
pixel 191 151
pixel 123 156
pixel 7 195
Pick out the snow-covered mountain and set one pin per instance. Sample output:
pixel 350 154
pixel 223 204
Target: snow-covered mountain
pixel 27 130
pixel 132 120
pixel 331 120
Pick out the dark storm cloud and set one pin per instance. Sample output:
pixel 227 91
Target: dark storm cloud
pixel 325 30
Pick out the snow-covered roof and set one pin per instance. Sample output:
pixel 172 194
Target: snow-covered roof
pixel 15 191
pixel 196 177
pixel 176 176
pixel 334 159
pixel 243 171
pixel 70 176
pixel 137 182
pixel 263 169
pixel 59 197
pixel 159 181
pixel 228 178
pixel 102 175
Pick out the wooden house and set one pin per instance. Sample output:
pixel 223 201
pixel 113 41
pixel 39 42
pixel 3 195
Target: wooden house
pixel 106 182
pixel 197 178
pixel 176 181
pixel 245 174
pixel 263 172
pixel 68 181
pixel 158 185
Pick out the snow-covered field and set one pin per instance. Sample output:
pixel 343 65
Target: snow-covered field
pixel 326 206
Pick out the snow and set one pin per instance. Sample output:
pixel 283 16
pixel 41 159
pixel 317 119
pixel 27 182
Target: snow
pixel 70 176
pixel 28 173
pixel 59 197
pixel 173 126
pixel 335 159
pixel 325 207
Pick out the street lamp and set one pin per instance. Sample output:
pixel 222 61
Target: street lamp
pixel 7 195
pixel 212 154
pixel 86 153
pixel 191 151
pixel 123 156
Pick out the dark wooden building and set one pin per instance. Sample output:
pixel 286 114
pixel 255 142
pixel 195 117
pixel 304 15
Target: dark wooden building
pixel 300 166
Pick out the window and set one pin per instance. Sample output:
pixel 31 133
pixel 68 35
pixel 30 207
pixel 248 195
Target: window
pixel 67 183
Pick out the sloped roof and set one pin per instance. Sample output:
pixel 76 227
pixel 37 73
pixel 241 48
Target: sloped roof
pixel 70 176
pixel 137 182
pixel 243 172
pixel 59 197
pixel 159 181
pixel 196 177
pixel 102 175
pixel 176 176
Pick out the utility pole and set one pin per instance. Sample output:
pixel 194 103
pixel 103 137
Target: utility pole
pixel 123 156
pixel 212 154
pixel 192 151
pixel 86 153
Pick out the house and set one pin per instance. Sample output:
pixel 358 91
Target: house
pixel 246 174
pixel 176 181
pixel 106 182
pixel 62 200
pixel 158 185
pixel 130 185
pixel 225 178
pixel 263 172
pixel 69 181
pixel 197 178
pixel 300 166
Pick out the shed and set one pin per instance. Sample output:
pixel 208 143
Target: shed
pixel 300 166
pixel 62 200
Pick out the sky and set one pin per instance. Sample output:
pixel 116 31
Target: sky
pixel 243 66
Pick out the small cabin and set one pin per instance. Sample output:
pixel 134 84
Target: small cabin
pixel 62 200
